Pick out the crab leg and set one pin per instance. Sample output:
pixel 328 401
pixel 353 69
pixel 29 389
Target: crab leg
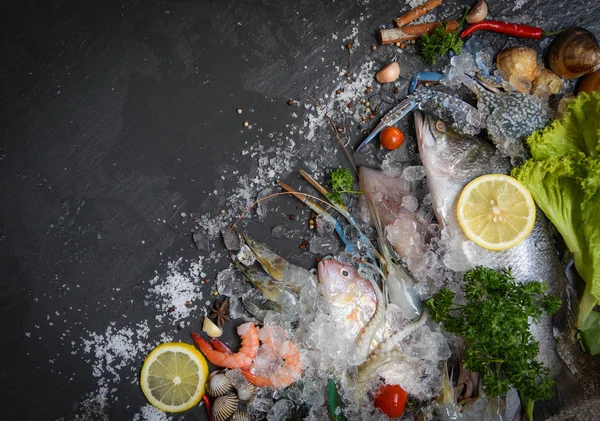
pixel 395 114
pixel 424 77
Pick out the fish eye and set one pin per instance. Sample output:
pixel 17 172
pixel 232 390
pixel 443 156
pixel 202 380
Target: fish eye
pixel 344 273
pixel 440 126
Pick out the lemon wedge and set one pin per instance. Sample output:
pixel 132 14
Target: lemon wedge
pixel 173 377
pixel 496 211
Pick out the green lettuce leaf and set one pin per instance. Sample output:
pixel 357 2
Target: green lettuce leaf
pixel 567 192
pixel 563 177
pixel 589 335
pixel 577 134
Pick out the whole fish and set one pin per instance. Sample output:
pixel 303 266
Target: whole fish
pixel 451 160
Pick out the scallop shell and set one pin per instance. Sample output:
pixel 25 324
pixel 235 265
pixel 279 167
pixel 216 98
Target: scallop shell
pixel 574 53
pixel 218 384
pixel 225 406
pixel 240 415
pixel 246 392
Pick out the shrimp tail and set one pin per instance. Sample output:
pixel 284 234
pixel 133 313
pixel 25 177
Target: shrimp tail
pixel 220 346
pixel 258 381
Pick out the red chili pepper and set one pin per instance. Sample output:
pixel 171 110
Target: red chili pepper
pixel 512 29
pixel 208 407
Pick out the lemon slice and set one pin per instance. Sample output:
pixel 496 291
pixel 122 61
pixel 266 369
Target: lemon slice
pixel 173 377
pixel 496 211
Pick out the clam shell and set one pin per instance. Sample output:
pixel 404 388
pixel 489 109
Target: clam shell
pixel 218 384
pixel 225 406
pixel 240 415
pixel 246 392
pixel 590 82
pixel 574 53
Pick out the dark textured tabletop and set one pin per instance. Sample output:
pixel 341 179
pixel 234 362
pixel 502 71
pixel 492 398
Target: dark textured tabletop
pixel 120 135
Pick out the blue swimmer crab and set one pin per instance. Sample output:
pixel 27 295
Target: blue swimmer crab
pixel 508 116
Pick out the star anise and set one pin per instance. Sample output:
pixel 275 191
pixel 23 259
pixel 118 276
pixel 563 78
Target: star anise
pixel 219 312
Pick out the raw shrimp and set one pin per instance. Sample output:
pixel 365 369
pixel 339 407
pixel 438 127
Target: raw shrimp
pixel 287 373
pixel 240 359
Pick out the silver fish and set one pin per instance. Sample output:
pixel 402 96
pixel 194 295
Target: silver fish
pixel 451 160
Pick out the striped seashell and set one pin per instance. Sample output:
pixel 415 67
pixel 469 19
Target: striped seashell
pixel 240 415
pixel 225 406
pixel 246 392
pixel 218 384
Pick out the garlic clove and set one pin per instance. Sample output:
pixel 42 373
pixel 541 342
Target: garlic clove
pixel 211 329
pixel 388 73
pixel 478 13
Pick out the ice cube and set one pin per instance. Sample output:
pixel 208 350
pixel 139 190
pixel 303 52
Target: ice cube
pixel 281 410
pixel 262 402
pixel 325 225
pixel 232 240
pixel 281 231
pixel 414 173
pixel 201 239
pixel 313 393
pixel 237 309
pixel 410 203
pixel 324 245
pixel 231 282
pixel 427 345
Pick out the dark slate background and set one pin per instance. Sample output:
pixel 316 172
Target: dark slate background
pixel 112 111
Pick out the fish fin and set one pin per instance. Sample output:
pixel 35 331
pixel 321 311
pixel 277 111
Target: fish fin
pixel 566 392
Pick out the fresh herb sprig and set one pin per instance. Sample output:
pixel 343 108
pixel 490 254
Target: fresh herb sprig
pixel 341 182
pixel 440 42
pixel 494 323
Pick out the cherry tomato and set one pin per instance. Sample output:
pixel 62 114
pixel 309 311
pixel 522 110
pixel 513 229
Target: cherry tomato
pixel 391 138
pixel 391 400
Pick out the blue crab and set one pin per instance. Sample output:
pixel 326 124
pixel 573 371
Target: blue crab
pixel 508 116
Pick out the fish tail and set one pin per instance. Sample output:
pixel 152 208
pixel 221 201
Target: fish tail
pixel 566 317
pixel 566 392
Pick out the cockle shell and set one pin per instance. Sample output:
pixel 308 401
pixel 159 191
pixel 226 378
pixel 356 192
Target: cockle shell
pixel 246 392
pixel 218 384
pixel 225 406
pixel 574 53
pixel 240 415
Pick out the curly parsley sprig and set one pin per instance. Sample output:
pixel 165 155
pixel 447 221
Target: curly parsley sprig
pixel 440 42
pixel 495 325
pixel 341 182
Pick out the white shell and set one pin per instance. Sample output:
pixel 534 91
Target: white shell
pixel 246 392
pixel 240 415
pixel 218 384
pixel 225 406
